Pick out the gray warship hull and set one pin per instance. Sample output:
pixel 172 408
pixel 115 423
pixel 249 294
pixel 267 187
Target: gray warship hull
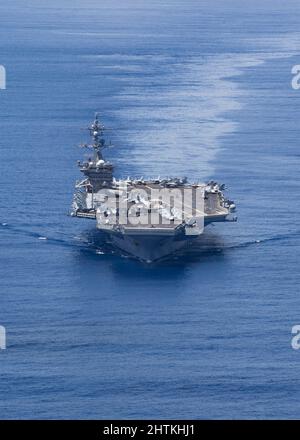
pixel 150 246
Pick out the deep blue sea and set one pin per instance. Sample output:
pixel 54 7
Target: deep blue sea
pixel 195 88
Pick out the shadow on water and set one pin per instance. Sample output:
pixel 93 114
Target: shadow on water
pixel 209 245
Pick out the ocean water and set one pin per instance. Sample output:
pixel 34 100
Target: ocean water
pixel 195 88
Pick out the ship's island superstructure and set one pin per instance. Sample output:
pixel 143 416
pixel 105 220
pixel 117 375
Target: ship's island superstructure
pixel 148 219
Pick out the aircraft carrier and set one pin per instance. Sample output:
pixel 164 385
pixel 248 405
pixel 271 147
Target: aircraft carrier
pixel 147 219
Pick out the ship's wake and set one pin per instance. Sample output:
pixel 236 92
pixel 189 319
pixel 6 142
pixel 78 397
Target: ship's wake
pixel 97 243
